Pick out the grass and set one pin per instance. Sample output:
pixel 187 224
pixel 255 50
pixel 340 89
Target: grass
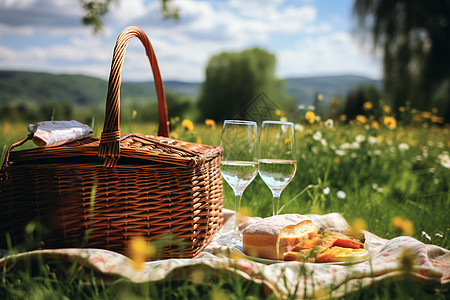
pixel 369 175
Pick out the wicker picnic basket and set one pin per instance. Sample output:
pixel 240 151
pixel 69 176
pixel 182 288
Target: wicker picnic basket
pixel 143 185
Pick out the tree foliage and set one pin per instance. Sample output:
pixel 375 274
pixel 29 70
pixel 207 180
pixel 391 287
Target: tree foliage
pixel 233 79
pixel 95 10
pixel 415 39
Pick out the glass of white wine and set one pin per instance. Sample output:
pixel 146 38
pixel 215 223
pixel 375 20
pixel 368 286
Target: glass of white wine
pixel 239 164
pixel 277 160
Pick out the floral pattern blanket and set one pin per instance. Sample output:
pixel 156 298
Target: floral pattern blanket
pixel 431 265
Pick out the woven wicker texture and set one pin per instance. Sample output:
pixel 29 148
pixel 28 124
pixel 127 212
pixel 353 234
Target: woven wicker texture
pixel 144 185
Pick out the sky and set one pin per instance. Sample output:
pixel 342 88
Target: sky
pixel 308 37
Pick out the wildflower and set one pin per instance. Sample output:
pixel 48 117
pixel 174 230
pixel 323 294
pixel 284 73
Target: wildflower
pixel 402 109
pixel 301 106
pixel 390 122
pixel 288 141
pixel 358 225
pixel 426 235
pixel 318 118
pixel 317 136
pixel 372 140
pixel 319 97
pixel 407 260
pixel 386 109
pixel 360 138
pixel 139 251
pixel 299 127
pixel 210 123
pixel 197 277
pixel 329 123
pixel 343 117
pixel 326 190
pixel 340 152
pixel 311 107
pixel 375 125
pixel 283 119
pixel 436 119
pixel 426 115
pixel 367 105
pixel 341 195
pixel 403 225
pixel 279 112
pixel 403 146
pixel 134 114
pixel 310 116
pixel 445 160
pixel 361 119
pixel 187 125
pixel 198 140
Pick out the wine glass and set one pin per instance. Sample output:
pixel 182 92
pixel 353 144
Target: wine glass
pixel 277 161
pixel 239 164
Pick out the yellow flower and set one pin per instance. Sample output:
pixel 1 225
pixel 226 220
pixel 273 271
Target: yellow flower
pixel 133 116
pixel 437 119
pixel 210 123
pixel 386 109
pixel 367 105
pixel 426 115
pixel 310 116
pixel 403 225
pixel 320 97
pixel 375 125
pixel 402 109
pixel 139 250
pixel 187 125
pixel 199 140
pixel 343 117
pixel 287 141
pixel 279 112
pixel 361 118
pixel 390 122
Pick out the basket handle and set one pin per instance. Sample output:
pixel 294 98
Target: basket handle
pixel 109 149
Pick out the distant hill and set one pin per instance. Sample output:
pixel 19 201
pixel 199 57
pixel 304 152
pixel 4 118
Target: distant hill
pixel 22 86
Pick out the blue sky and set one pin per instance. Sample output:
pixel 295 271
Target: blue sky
pixel 308 37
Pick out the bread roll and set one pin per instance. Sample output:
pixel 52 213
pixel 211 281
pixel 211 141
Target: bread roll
pixel 271 237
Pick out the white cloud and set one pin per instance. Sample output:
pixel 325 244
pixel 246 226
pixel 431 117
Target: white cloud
pixel 304 45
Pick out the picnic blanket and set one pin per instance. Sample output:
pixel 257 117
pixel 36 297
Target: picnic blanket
pixel 431 264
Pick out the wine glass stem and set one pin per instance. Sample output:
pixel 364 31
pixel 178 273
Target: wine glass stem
pixel 237 207
pixel 276 202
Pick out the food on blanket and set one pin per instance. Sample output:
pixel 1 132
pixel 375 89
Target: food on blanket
pixel 273 236
pixel 327 247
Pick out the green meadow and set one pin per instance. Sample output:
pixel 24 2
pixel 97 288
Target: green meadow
pixel 393 181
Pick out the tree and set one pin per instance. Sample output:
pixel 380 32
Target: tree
pixel 415 39
pixel 233 79
pixel 95 10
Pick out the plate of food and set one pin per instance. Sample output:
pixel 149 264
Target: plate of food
pixel 292 237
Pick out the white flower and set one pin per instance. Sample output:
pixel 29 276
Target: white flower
pixel 372 140
pixel 299 127
pixel 324 142
pixel 403 146
pixel 311 107
pixel 374 186
pixel 301 106
pixel 318 118
pixel 283 119
pixel 345 146
pixel 377 152
pixel 329 123
pixel 326 190
pixel 341 195
pixel 426 235
pixel 355 145
pixel 340 152
pixel 445 160
pixel 353 155
pixel 360 138
pixel 317 136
